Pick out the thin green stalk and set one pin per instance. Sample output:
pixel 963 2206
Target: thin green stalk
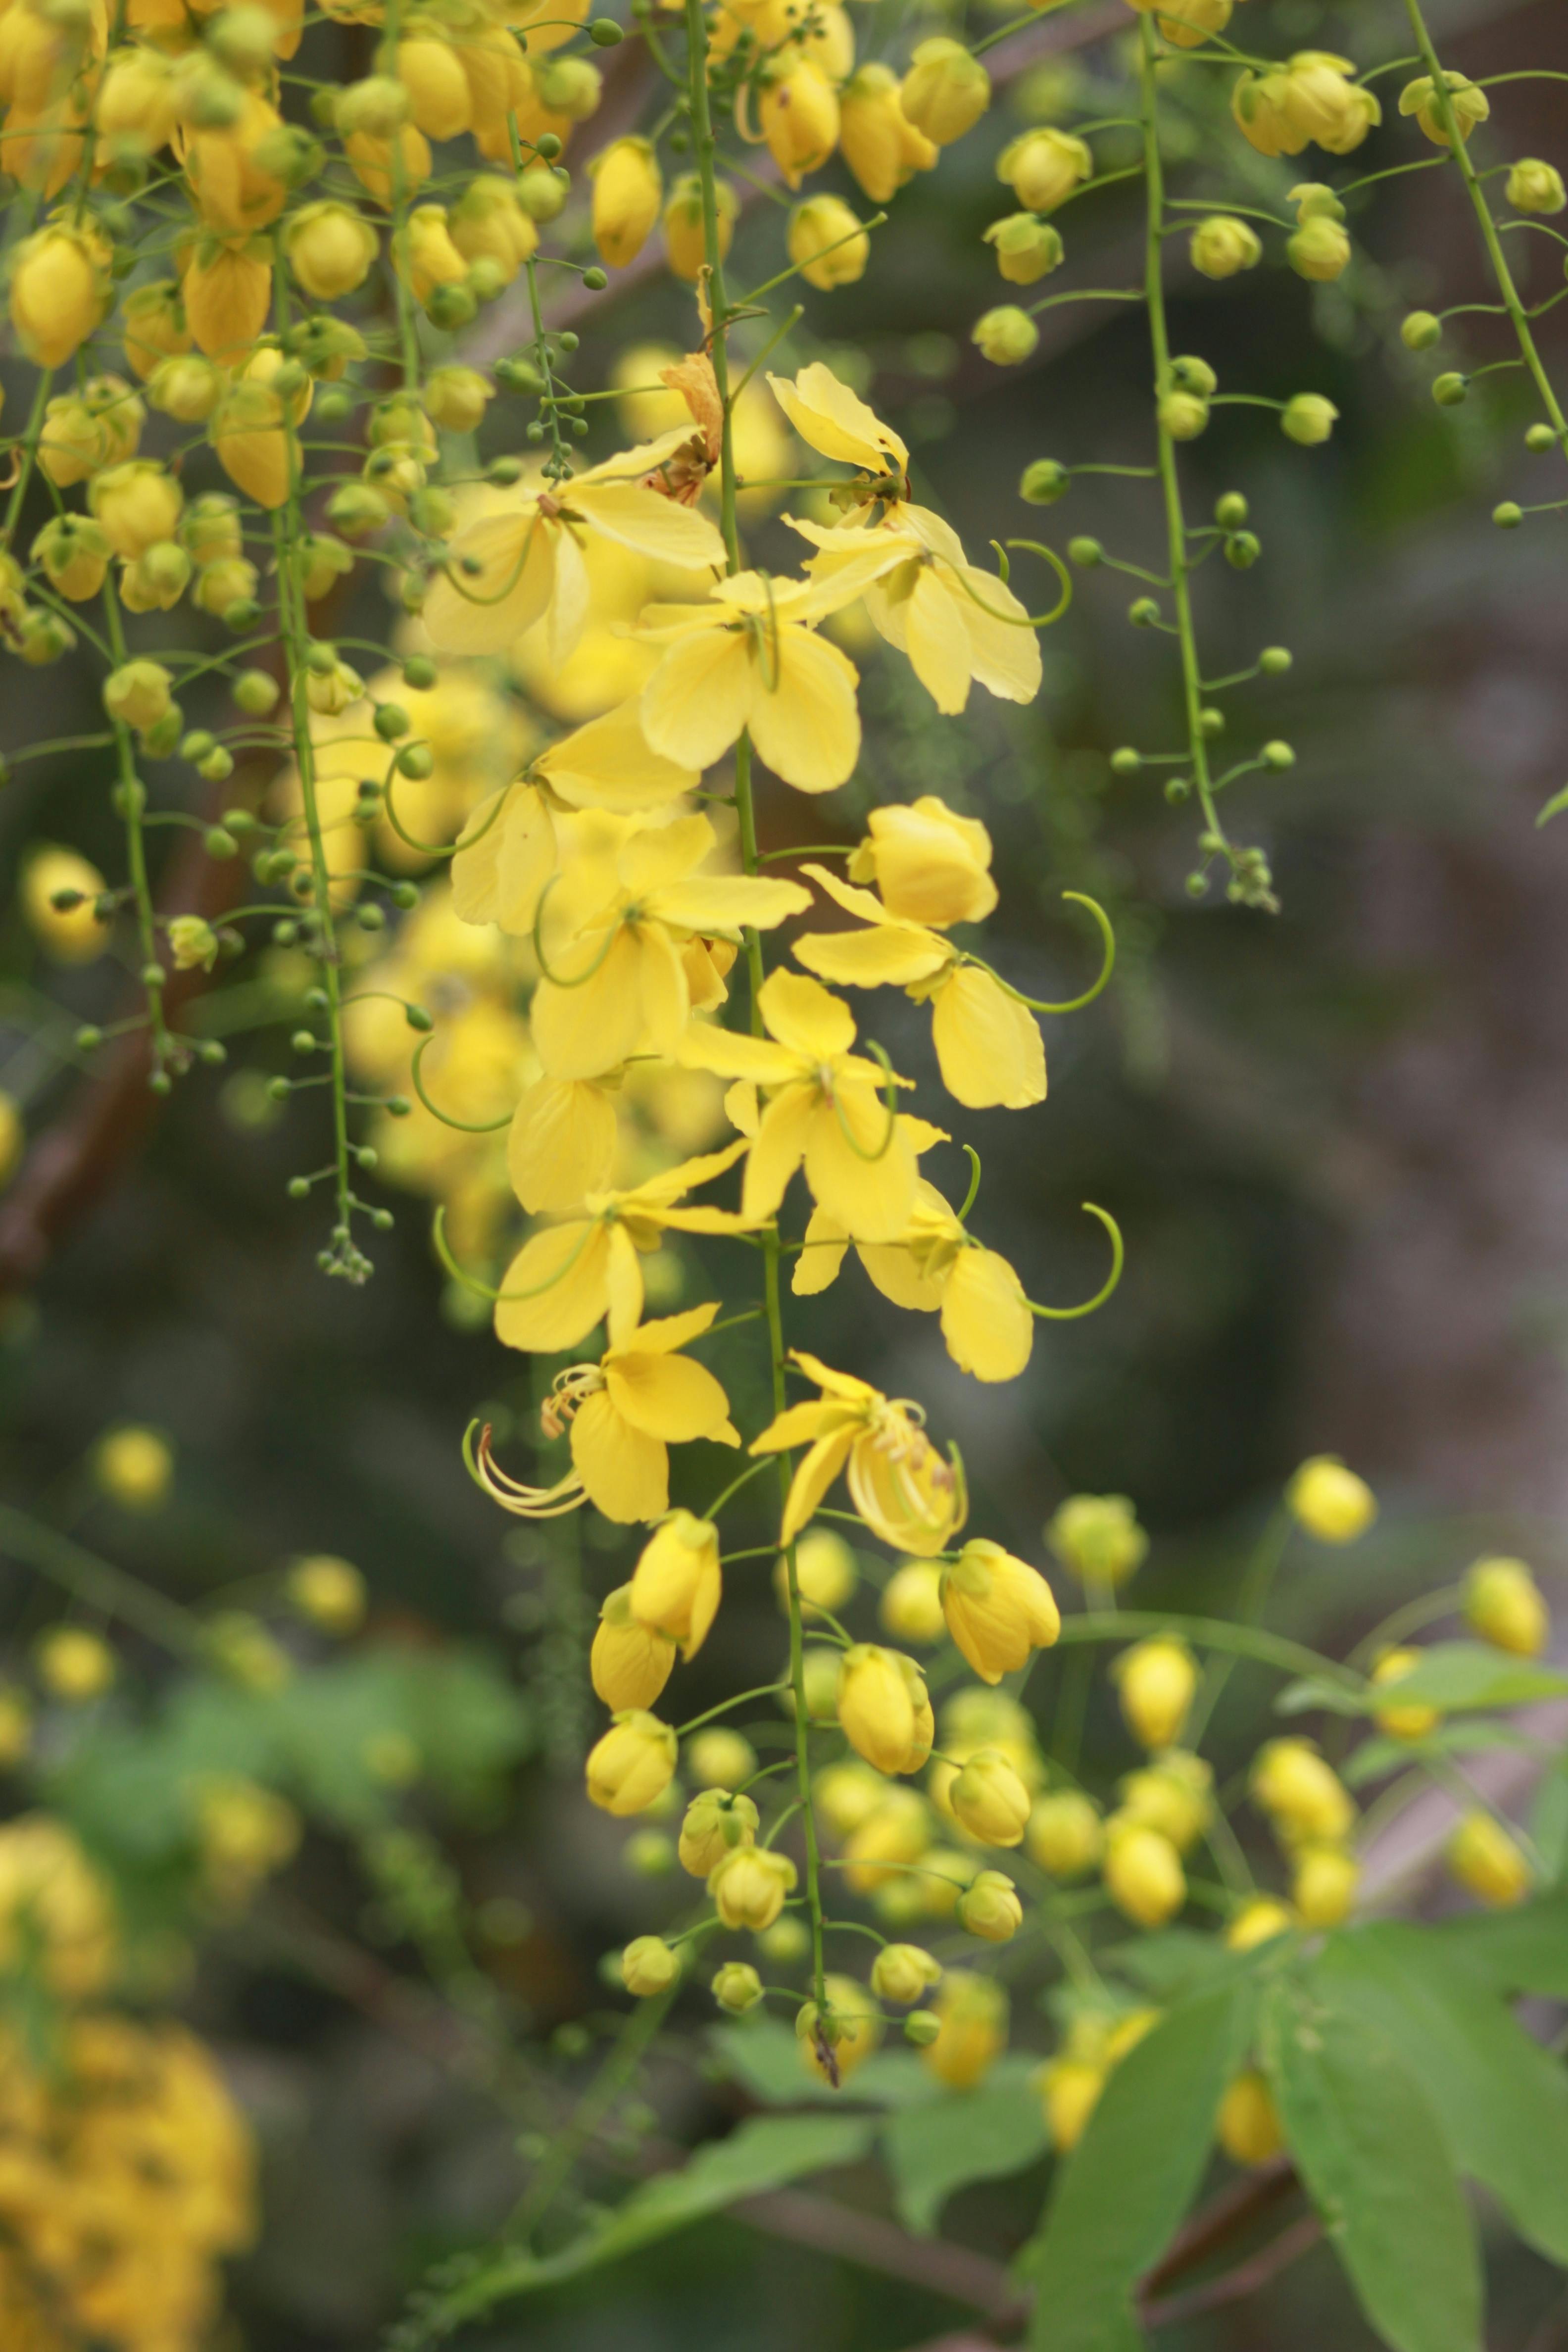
pixel 99 1584
pixel 132 798
pixel 1251 1602
pixel 1488 225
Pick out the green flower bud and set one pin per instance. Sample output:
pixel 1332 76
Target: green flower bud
pixel 1309 419
pixel 1319 250
pixel 1005 336
pixel 1043 482
pixel 1420 331
pixel 1535 187
pixel 1026 249
pixel 1222 245
pixel 1183 415
pixel 1452 390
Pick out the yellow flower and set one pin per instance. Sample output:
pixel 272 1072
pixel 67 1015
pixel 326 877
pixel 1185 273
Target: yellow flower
pixel 1247 2126
pixel 1194 22
pixel 676 1584
pixel 74 1664
pixel 1324 1886
pixel 748 1885
pixel 588 1267
pixel 1535 187
pixel 1221 245
pixel 750 659
pixel 629 1662
pixel 989 1907
pixel 330 1591
pixel 1311 97
pixel 510 571
pixel 631 1767
pixel 628 194
pixel 903 1972
pixel 1044 167
pixel 1303 1796
pixel 973 2013
pixel 60 290
pixel 1329 1501
pixel 898 1483
pixel 1158 1680
pixel 1143 1874
pixel 1467 105
pixel 1065 1834
pixel 625 1412
pixel 998 1610
pixel 1069 2091
pixel 945 91
pixel 1487 1862
pixel 910 1608
pixel 227 291
pixel 823 1108
pixel 1098 1537
pixel 648 1966
pixel 233 192
pixel 989 1800
pixel 848 1793
pixel 1259 1921
pixel 70 932
pixel 883 1708
pixel 1503 1604
pixel 827 244
pixel 1402 1722
pixel 246 1833
pixel 1174 1795
pixel 685 237
pixel 488 223
pixel 330 249
pixel 798 117
pixel 737 1988
pixel 837 424
pixel 721 1759
pixel 133 1467
pixel 835 2041
pixel 54 1906
pixel 716 1823
pixel 936 1266
pixel 880 144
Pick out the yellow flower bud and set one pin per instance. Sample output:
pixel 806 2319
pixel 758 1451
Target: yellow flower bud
pixel 973 2013
pixel 749 1884
pixel 1065 1834
pixel 1487 1861
pixel 1309 419
pixel 903 1972
pixel 330 1592
pixel 989 1907
pixel 1222 245
pixel 880 145
pixel 1259 1921
pixel 193 942
pixel 929 865
pixel 883 1707
pixel 1026 249
pixel 648 1966
pixel 1069 2091
pixel 1183 414
pixel 1467 105
pixel 847 1794
pixel 489 223
pixel 825 1573
pixel 219 585
pixel 438 96
pixel 157 580
pixel 1319 250
pixel 892 1838
pixel 737 1987
pixel 685 236
pixel 1247 2126
pixel 675 1585
pixel 1144 1874
pixel 70 445
pixel 627 191
pixel 1402 1722
pixel 154 326
pixel 836 2039
pixel 1324 1887
pixel 998 1608
pixel 798 117
pixel 720 1758
pixel 1044 167
pixel 186 389
pixel 370 156
pixel 74 1665
pixel 1195 21
pixel 910 1608
pixel 1005 336
pixel 427 257
pixel 1503 1604
pixel 335 690
pixel 1309 97
pixel 631 1767
pixel 716 1823
pixel 989 1800
pixel 1174 1796
pixel 74 553
pixel 457 397
pixel 1329 1501
pixel 826 243
pixel 1535 187
pixel 331 250
pixel 1157 1679
pixel 945 91
pixel 1097 1538
pixel 1304 1797
pixel 60 290
pixel 70 933
pixel 137 505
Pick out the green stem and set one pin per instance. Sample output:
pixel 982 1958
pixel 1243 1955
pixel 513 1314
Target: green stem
pixel 99 1584
pixel 1251 1602
pixel 132 797
pixel 1263 1649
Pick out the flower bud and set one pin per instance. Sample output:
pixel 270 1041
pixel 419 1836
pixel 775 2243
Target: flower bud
pixel 193 943
pixel 1026 248
pixel 327 1593
pixel 675 1585
pixel 826 243
pixel 542 192
pixel 187 388
pixel 998 1608
pixel 1042 167
pixel 1420 331
pixel 1328 1500
pixel 786 1941
pixel 74 553
pixel 1303 1796
pixel 903 1972
pixel 737 1987
pixel 974 2032
pixel 847 1794
pixel 138 694
pixel 648 1966
pixel 1065 1835
pixel 1402 1722
pixel 1221 245
pixel 1143 1874
pixel 333 690
pixel 629 1664
pixel 1174 1796
pixel 685 232
pixel 1503 1604
pixel 490 222
pixel 1069 2091
pixel 825 1573
pixel 373 109
pixel 989 1800
pixel 1259 1921
pixel 74 1665
pixel 836 2039
pixel 883 1707
pixel 134 1467
pixel 1324 1887
pixel 1535 187
pixel 945 91
pixel 798 117
pixel 716 1823
pixel 880 145
pixel 1097 1538
pixel 627 191
pixel 1310 97
pixel 1157 1679
pixel 989 1907
pixel 631 1767
pixel 1247 2126
pixel 439 101
pixel 60 290
pixel 138 505
pixel 1183 414
pixel 749 1884
pixel 1319 250
pixel 910 1607
pixel 1486 1860
pixel 1005 336
pixel 220 587
pixel 156 581
pixel 1466 104
pixel 892 1839
pixel 330 249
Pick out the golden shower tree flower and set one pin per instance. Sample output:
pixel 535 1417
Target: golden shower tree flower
pixel 935 1267
pixel 823 1108
pixel 884 1709
pixel 898 1483
pixel 675 1585
pixel 508 573
pixel 625 1412
pixel 999 1610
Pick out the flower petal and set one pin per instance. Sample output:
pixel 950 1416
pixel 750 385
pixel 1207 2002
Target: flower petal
pixel 726 902
pixel 804 1016
pixel 985 1318
pixel 988 1045
pixel 565 1271
pixel 937 643
pixel 890 956
pixel 649 522
pixel 821 1255
pixel 777 1150
pixel 1005 655
pixel 835 421
pixel 562 1143
pixel 870 1196
pixel 732 1053
pixel 581 1032
pixel 699 698
pixel 806 723
pixel 815 1472
pixel 609 763
pixel 624 1471
pixel 484 611
pixel 668 1396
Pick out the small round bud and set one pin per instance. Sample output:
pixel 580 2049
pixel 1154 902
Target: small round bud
pixel 1274 660
pixel 1242 550
pixel 1420 331
pixel 1177 790
pixel 548 146
pixel 1196 885
pixel 391 721
pixel 255 692
pixel 219 844
pixel 1449 391
pixel 1126 760
pixel 1143 612
pixel 419 672
pixel 1309 419
pixel 923 2027
pixel 1278 755
pixel 417 761
pixel 1508 516
pixel 1231 510
pixel 595 279
pixel 1043 482
pixel 1085 552
pixel 737 1988
pixel 1005 336
pixel 1211 722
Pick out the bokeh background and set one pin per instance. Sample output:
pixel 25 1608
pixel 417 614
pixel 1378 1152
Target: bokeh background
pixel 1336 1139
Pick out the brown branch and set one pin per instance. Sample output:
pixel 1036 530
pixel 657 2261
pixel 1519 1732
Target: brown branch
pixel 1246 2278
pixel 867 2239
pixel 1236 2206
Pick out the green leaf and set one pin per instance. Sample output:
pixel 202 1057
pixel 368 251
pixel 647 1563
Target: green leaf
pixel 1549 1824
pixel 1316 1693
pixel 1502 2100
pixel 1552 807
pixel 944 2143
pixel 1517 1951
pixel 1468 1675
pixel 1120 2199
pixel 762 2055
pixel 1171 1963
pixel 1464 1737
pixel 1369 2149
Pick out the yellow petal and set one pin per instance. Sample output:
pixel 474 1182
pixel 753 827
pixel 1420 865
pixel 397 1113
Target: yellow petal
pixel 864 905
pixel 815 1472
pixel 804 721
pixel 609 763
pixel 671 1331
pixel 732 1053
pixel 664 853
pixel 672 1183
pixel 483 612
pixel 667 1396
pixel 569 599
pixel 777 1150
pixel 741 1106
pixel 803 1016
pixel 893 1268
pixel 988 1045
pixel 582 1032
pixel 661 992
pixel 937 642
pixel 562 1143
pixel 985 1318
pixel 821 1255
pixel 500 877
pixel 726 902
pixel 699 698
pixel 650 523
pixel 565 1271
pixel 868 1189
pixel 623 1286
pixel 1004 656
pixel 833 420
pixel 890 956
pixel 624 1471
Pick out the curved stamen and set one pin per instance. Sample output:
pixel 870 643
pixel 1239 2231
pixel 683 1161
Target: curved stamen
pixel 891 1098
pixel 461 1126
pixel 1073 1004
pixel 581 979
pixel 1023 620
pixel 1118 1259
pixel 483 1289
